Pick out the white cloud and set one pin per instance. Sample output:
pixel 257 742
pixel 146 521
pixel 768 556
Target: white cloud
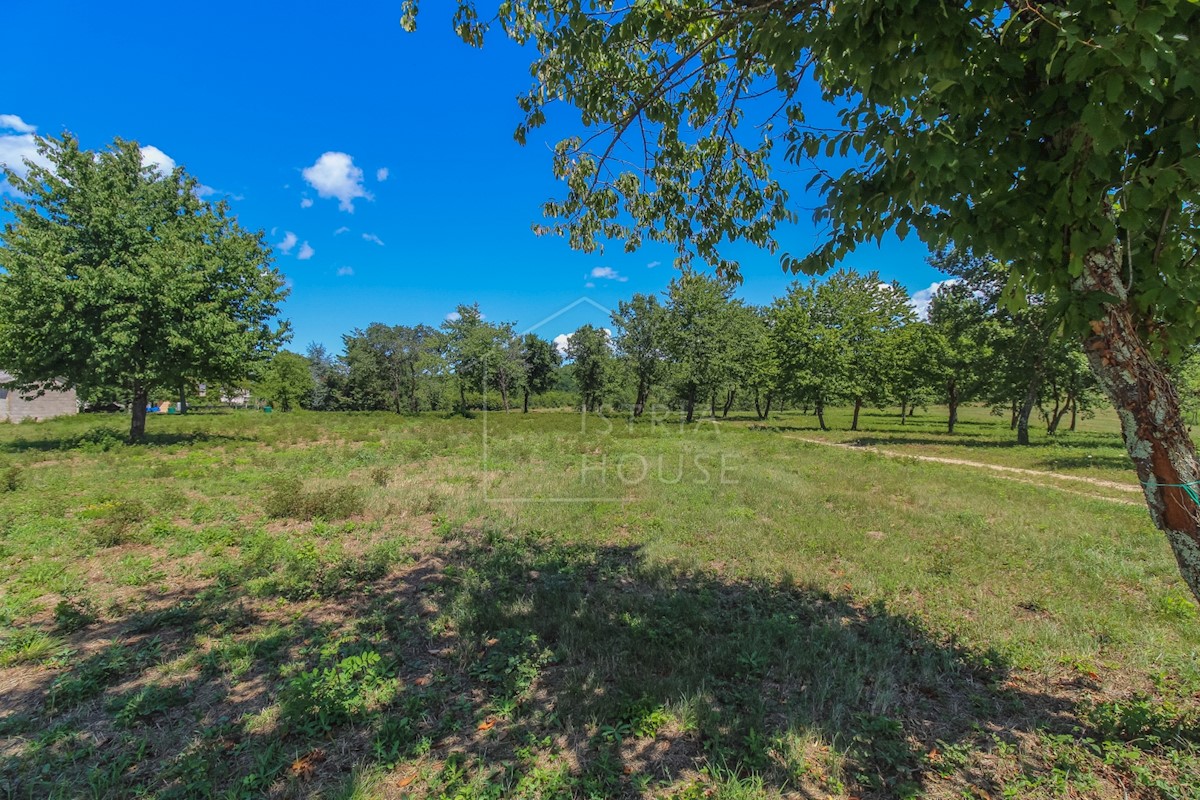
pixel 653 264
pixel 381 174
pixel 608 274
pixel 203 190
pixel 306 202
pixel 289 241
pixel 344 271
pixel 306 252
pixel 589 285
pixel 341 230
pixel 153 157
pixel 922 298
pixel 17 147
pixel 11 122
pixel 453 316
pixel 370 237
pixel 334 175
pixel 560 343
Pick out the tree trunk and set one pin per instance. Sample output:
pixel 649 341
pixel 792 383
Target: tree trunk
pixel 728 404
pixel 504 395
pixel 413 405
pixel 820 411
pixel 903 411
pixel 1016 415
pixel 767 410
pixel 639 405
pixel 952 401
pixel 712 401
pixel 1152 424
pixel 1074 410
pixel 462 398
pixel 1031 394
pixel 691 406
pixel 757 407
pixel 525 408
pixel 137 427
pixel 857 408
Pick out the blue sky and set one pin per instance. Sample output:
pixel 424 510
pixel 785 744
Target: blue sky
pixel 388 157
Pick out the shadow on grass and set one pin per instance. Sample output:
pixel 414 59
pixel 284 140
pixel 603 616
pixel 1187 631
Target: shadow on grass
pixel 496 665
pixel 106 438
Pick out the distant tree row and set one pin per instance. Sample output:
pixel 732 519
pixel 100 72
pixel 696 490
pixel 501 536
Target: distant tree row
pixel 849 340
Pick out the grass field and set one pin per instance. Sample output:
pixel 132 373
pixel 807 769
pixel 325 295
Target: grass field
pixel 370 605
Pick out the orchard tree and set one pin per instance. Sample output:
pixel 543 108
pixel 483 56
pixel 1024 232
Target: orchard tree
pixel 1067 129
pixel 592 365
pixel 118 275
pixel 285 379
pixel 640 325
pixel 918 361
pixel 540 360
pixel 961 319
pixel 696 336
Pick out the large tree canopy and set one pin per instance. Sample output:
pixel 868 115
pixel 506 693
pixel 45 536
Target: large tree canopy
pixel 118 275
pixel 1061 137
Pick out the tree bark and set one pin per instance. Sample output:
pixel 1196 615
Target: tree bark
pixel 1031 394
pixel 757 407
pixel 525 407
pixel 903 411
pixel 728 404
pixel 857 408
pixel 952 401
pixel 820 411
pixel 1074 410
pixel 691 405
pixel 137 426
pixel 643 392
pixel 1147 404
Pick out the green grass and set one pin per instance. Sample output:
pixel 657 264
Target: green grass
pixel 370 605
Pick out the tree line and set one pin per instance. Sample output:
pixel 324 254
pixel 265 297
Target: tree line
pixel 849 340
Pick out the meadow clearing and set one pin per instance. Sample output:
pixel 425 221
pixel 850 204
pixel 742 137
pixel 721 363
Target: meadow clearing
pixel 360 605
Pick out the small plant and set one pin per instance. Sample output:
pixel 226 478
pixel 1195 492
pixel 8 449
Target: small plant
pixel 320 700
pixel 290 500
pixel 71 614
pixel 10 478
pixel 146 702
pixel 381 476
pixel 26 646
pixel 116 521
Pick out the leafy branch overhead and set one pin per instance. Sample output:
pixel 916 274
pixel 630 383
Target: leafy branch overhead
pixel 1010 128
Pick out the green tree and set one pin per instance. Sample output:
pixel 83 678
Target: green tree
pixel 540 360
pixel 639 323
pixel 117 275
pixel 592 365
pixel 918 358
pixel 960 317
pixel 1068 129
pixel 695 336
pixel 285 379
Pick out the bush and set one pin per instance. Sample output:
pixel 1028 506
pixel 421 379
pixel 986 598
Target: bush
pixel 10 478
pixel 116 521
pixel 290 500
pixel 317 701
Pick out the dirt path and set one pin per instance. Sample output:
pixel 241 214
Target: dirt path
pixel 1008 473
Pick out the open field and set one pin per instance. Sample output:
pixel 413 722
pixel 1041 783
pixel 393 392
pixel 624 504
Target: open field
pixel 369 605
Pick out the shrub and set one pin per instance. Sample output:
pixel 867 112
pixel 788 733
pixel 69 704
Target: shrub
pixel 10 478
pixel 290 500
pixel 317 701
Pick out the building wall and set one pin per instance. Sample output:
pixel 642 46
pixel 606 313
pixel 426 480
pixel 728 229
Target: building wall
pixel 51 404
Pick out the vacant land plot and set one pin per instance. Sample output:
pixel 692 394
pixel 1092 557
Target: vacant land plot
pixel 369 605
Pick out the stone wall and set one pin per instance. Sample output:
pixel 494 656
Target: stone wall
pixel 51 404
